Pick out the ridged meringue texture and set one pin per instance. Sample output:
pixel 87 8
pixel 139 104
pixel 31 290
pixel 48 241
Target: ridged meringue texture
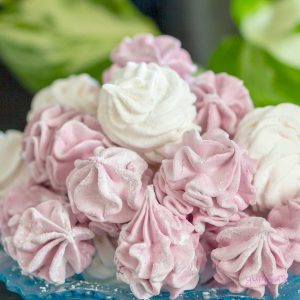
pixel 146 106
pixel 272 137
pixel 222 101
pixel 20 197
pixel 103 266
pixel 77 91
pixel 12 167
pixel 209 237
pixel 252 256
pixel 209 177
pixel 54 138
pixel 157 250
pixel 209 242
pixel 163 50
pixel 286 218
pixel 49 243
pixel 108 188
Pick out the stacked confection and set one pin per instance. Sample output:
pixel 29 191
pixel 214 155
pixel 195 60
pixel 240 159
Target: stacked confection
pixel 160 178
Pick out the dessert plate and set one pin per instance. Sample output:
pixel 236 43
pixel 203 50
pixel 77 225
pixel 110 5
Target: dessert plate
pixel 80 287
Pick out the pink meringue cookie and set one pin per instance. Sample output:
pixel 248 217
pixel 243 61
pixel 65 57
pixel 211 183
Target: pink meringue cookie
pixel 222 101
pixel 108 73
pixel 158 250
pixel 49 243
pixel 209 242
pixel 285 217
pixel 252 256
pixel 209 237
pixel 210 178
pixel 54 138
pixel 163 50
pixel 17 200
pixel 108 188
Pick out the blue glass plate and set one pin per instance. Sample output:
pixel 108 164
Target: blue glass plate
pixel 79 287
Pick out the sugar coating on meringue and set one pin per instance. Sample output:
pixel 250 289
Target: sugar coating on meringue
pixel 222 101
pixel 108 188
pixel 285 217
pixel 163 50
pixel 252 256
pixel 103 266
pixel 49 243
pixel 209 178
pixel 77 91
pixel 209 237
pixel 54 138
pixel 12 167
pixel 19 198
pixel 146 106
pixel 272 137
pixel 158 250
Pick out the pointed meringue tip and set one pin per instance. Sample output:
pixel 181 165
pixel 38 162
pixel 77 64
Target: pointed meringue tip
pixel 150 194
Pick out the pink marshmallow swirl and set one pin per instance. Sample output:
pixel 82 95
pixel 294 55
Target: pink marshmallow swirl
pixel 210 178
pixel 209 237
pixel 49 243
pixel 157 250
pixel 17 200
pixel 209 242
pixel 222 101
pixel 285 217
pixel 163 50
pixel 54 138
pixel 252 256
pixel 108 188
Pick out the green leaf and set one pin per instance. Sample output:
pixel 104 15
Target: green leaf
pixel 241 8
pixel 40 43
pixel 269 81
pixel 271 25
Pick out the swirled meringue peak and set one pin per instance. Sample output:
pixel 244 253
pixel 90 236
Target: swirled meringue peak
pixel 108 188
pixel 54 138
pixel 209 177
pixel 77 91
pixel 285 217
pixel 145 107
pixel 12 167
pixel 252 256
pixel 157 250
pixel 209 237
pixel 49 243
pixel 272 137
pixel 103 266
pixel 222 101
pixel 163 50
pixel 20 197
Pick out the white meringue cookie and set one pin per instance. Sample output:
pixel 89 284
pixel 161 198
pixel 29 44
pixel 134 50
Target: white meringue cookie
pixel 103 266
pixel 77 91
pixel 12 167
pixel 145 107
pixel 272 136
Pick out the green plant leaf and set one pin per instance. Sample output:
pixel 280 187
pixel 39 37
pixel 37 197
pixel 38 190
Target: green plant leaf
pixel 271 25
pixel 241 8
pixel 44 40
pixel 269 81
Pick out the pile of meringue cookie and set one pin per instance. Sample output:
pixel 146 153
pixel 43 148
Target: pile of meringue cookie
pixel 159 177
